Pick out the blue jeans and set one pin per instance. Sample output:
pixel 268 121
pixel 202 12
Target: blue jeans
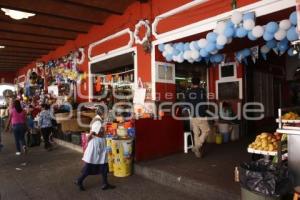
pixel 19 133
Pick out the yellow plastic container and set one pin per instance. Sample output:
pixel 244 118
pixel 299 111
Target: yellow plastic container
pixel 219 138
pixel 110 157
pixel 122 153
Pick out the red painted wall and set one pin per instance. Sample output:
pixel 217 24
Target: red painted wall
pixel 134 13
pixel 7 76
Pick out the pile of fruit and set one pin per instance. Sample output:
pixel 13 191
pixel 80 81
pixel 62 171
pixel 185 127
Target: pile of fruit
pixel 266 142
pixel 290 116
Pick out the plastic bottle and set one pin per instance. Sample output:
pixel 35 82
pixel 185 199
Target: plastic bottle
pixel 236 174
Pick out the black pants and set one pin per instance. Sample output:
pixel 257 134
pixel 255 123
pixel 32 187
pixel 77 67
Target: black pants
pixel 46 136
pixel 91 169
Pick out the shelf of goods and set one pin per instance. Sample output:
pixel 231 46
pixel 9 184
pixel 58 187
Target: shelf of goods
pixel 289 124
pixel 266 153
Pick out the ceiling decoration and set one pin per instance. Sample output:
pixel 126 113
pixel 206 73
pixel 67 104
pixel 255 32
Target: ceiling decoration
pixel 54 23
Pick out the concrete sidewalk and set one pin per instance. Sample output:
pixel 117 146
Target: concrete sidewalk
pixel 50 175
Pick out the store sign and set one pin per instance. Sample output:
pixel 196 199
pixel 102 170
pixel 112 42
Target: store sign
pixel 298 15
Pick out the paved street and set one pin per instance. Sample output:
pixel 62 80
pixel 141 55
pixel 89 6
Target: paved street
pixel 43 175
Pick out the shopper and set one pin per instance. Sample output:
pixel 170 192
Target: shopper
pixel 95 155
pixel 17 118
pixel 199 120
pixel 45 123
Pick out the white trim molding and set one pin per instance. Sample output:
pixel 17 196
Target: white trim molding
pixel 260 8
pixel 141 23
pixel 112 54
pixel 118 34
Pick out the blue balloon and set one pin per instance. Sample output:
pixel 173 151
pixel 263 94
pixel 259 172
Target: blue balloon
pixel 180 46
pixel 203 53
pixel 210 47
pixel 291 52
pixel 169 58
pixel 272 27
pixel 161 47
pixel 239 56
pixel 229 24
pixel 212 59
pixel 211 37
pixel 219 47
pixel 271 44
pixel 268 36
pixel 282 46
pixel 293 18
pixel 187 46
pixel 246 52
pixel 219 58
pixel 195 44
pixel 229 32
pixel 292 34
pixel 241 32
pixel 176 52
pixel 249 15
pixel 251 36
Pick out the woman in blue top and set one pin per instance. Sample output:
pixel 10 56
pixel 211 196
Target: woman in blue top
pixel 45 122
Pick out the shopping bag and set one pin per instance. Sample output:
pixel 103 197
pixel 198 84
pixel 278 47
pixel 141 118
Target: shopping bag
pixel 139 93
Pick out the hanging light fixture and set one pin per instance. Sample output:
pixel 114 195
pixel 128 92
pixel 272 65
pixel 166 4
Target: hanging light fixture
pixel 2 47
pixel 17 15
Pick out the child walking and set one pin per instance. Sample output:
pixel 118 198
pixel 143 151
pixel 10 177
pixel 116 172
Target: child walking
pixel 95 155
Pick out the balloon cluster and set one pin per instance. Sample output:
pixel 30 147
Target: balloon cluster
pixel 277 36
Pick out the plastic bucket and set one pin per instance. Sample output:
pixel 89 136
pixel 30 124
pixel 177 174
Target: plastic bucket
pixel 122 154
pixel 226 137
pixel 223 127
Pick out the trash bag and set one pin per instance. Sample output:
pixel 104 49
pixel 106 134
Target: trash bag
pixel 265 178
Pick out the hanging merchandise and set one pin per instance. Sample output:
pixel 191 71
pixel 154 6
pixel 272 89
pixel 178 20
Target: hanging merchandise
pixel 98 84
pixel 277 36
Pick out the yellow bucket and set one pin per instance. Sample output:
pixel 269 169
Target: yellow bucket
pixel 110 157
pixel 219 138
pixel 122 153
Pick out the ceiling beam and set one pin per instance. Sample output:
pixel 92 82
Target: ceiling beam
pixel 18 55
pixel 23 37
pixel 29 45
pixel 118 7
pixel 51 22
pixel 25 51
pixel 58 9
pixel 36 31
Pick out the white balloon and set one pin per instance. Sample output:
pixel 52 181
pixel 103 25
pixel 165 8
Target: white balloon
pixel 167 46
pixel 280 34
pixel 229 40
pixel 249 24
pixel 221 40
pixel 191 61
pixel 195 54
pixel 258 31
pixel 180 60
pixel 220 28
pixel 264 49
pixel 165 54
pixel 214 52
pixel 285 24
pixel 236 17
pixel 202 43
pixel 175 58
pixel 187 55
pixel 169 49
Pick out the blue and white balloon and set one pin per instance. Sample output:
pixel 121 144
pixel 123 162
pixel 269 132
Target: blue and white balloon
pixel 280 34
pixel 187 46
pixel 293 18
pixel 195 54
pixel 249 24
pixel 251 36
pixel 161 47
pixel 271 44
pixel 236 17
pixel 221 40
pixel 268 36
pixel 285 24
pixel 202 43
pixel 272 27
pixel 211 37
pixel 229 32
pixel 180 46
pixel 210 47
pixel 220 28
pixel 258 31
pixel 249 15
pixel 292 34
pixel 187 55
pixel 219 47
pixel 203 53
pixel 241 32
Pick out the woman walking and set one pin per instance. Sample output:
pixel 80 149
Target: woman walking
pixel 95 155
pixel 45 123
pixel 17 118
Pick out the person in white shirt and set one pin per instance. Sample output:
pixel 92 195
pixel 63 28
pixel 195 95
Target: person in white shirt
pixel 95 155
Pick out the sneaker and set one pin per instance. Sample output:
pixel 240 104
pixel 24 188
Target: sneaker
pixel 18 153
pixel 80 186
pixel 108 186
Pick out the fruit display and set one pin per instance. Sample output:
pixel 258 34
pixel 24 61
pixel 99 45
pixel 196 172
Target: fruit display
pixel 266 142
pixel 291 116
